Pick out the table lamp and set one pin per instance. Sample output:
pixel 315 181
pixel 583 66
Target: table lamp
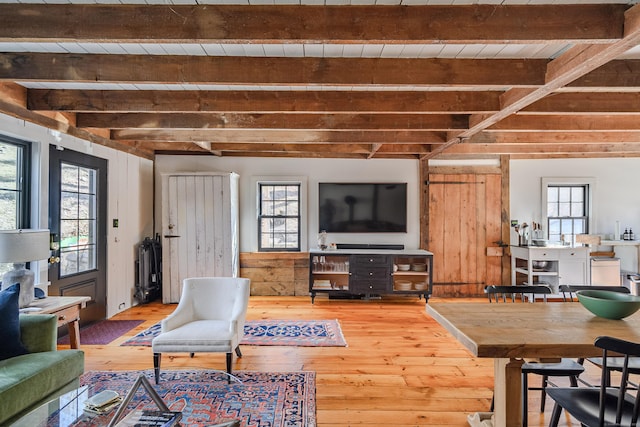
pixel 20 247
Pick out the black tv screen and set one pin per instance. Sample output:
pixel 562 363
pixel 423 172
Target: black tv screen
pixel 362 207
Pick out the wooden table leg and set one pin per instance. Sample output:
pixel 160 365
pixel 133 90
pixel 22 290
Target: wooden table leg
pixel 508 392
pixel 74 333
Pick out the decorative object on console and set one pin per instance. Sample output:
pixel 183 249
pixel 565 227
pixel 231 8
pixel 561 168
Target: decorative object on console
pixel 20 247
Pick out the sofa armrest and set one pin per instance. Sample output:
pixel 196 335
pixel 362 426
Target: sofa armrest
pixel 38 332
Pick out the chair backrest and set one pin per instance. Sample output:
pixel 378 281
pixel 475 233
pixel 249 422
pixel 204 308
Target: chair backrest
pixel 216 298
pixel 496 292
pixel 568 291
pixel 626 349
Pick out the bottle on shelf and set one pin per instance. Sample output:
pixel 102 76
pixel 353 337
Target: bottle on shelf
pixel 625 235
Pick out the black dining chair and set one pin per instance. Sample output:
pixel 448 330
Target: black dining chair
pixel 568 291
pixel 614 363
pixel 603 405
pixel 565 368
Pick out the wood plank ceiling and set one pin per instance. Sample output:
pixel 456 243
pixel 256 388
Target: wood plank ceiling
pixel 319 78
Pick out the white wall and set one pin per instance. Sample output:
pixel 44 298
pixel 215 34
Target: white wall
pixel 616 196
pixel 130 199
pixel 315 170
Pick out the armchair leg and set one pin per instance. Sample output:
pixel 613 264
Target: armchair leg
pixel 156 366
pixel 229 360
pixel 238 352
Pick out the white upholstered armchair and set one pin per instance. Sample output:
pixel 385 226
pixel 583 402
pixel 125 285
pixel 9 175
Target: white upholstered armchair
pixel 209 318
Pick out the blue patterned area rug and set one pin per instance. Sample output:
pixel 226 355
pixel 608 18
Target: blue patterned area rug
pixel 299 333
pixel 259 399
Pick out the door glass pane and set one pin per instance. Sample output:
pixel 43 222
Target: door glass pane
pixel 69 178
pixel 78 220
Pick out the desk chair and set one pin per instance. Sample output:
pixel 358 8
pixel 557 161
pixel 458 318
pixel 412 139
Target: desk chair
pixel 603 405
pixel 565 368
pixel 209 318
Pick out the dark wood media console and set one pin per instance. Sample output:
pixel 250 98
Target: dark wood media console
pixel 370 273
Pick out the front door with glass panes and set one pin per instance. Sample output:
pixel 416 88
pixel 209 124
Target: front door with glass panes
pixel 77 220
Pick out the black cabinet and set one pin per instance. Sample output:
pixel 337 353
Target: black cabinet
pixel 370 273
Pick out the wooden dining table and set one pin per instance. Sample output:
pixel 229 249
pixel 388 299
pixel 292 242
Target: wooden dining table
pixel 510 333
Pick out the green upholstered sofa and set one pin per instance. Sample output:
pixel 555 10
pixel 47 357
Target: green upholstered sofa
pixel 32 379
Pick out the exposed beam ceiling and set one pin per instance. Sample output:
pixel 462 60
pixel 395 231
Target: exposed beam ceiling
pixel 348 81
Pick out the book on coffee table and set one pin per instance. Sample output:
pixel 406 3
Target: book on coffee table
pixel 144 418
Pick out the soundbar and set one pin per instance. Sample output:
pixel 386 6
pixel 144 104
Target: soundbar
pixel 386 246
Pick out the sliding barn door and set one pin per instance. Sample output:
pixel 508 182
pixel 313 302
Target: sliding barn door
pixel 199 228
pixel 465 232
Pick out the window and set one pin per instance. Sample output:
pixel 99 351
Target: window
pixel 567 211
pixel 279 217
pixel 78 221
pixel 14 186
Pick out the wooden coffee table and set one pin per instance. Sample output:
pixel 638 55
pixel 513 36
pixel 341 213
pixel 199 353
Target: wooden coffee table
pixel 67 310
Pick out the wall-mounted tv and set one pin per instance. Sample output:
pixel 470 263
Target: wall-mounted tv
pixel 362 207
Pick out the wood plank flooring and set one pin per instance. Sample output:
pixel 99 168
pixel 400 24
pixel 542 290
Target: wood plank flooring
pixel 400 367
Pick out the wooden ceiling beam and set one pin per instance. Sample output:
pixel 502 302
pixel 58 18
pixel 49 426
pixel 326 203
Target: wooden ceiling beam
pixel 555 137
pixel 279 136
pixel 568 67
pixel 436 122
pixel 586 102
pixel 455 102
pixel 311 24
pixel 176 69
pixel 495 148
pixel 561 122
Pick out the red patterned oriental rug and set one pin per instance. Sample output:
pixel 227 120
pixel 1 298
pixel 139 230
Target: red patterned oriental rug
pixel 300 333
pixel 102 332
pixel 259 399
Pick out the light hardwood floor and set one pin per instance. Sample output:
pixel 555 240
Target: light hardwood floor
pixel 400 367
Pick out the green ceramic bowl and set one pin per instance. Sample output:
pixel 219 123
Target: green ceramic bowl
pixel 608 304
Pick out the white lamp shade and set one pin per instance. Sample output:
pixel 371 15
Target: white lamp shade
pixel 19 246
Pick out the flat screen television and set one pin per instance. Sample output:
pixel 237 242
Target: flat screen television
pixel 362 207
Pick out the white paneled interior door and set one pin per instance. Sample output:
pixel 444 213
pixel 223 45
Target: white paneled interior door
pixel 199 228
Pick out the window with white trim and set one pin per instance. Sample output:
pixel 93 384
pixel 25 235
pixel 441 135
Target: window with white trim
pixel 279 217
pixel 14 186
pixel 567 207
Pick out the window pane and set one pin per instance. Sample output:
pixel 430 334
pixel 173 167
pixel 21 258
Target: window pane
pixel 69 178
pixel 577 194
pixel 8 210
pixel 86 180
pixel 68 205
pixel 566 226
pixel 9 156
pixel 564 209
pixel 564 194
pixel 552 209
pixel 291 225
pixel 68 262
pixel 86 206
pixel 68 233
pixel 279 221
pixel 577 209
pixel 14 185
